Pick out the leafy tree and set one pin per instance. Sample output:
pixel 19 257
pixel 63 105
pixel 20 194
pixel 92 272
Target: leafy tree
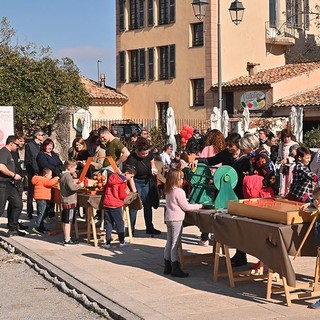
pixel 40 87
pixel 312 138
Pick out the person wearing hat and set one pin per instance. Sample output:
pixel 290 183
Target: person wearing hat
pixel 193 144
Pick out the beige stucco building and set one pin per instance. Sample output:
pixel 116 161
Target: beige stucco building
pixel 166 56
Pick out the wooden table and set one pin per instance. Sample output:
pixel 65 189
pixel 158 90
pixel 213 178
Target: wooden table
pixel 90 202
pixel 272 243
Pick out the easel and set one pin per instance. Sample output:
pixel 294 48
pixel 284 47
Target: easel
pixel 310 289
pixel 233 276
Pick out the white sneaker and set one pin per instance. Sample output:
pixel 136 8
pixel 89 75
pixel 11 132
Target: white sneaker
pixel 124 244
pixel 106 246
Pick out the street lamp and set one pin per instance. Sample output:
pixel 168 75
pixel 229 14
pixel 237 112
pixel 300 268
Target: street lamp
pixel 236 12
pixel 199 8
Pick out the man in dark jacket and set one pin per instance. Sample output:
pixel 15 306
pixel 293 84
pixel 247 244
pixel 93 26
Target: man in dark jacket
pixel 32 150
pixel 8 186
pixel 193 144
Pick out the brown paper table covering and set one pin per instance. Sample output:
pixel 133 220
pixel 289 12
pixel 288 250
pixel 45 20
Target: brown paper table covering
pixel 252 236
pixel 96 200
pixel 202 218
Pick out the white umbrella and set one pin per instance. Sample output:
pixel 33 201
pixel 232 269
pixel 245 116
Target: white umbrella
pixel 171 128
pixel 215 119
pixel 299 134
pixel 246 119
pixel 293 120
pixel 86 126
pixel 225 123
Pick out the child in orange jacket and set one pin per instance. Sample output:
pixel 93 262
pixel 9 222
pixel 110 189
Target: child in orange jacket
pixel 42 194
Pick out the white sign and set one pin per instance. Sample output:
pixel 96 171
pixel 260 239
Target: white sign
pixel 254 100
pixel 6 123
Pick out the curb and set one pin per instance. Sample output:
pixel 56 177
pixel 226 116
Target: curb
pixel 104 306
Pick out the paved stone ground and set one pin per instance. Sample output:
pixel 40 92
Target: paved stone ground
pixel 130 282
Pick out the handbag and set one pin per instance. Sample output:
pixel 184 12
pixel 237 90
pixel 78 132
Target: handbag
pixel 154 193
pixel 285 170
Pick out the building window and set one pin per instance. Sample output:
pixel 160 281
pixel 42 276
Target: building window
pixel 121 15
pixel 273 13
pixel 198 92
pixel 167 64
pixel 294 13
pixel 162 109
pixel 150 13
pixel 137 65
pixel 197 34
pixel 150 64
pixel 122 66
pixel 228 102
pixel 167 11
pixel 136 14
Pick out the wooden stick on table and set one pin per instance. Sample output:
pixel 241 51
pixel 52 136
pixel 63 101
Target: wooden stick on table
pixel 307 233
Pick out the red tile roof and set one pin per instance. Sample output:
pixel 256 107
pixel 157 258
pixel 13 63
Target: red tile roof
pixel 273 75
pixel 302 99
pixel 97 92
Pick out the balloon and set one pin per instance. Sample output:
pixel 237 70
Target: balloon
pixel 185 127
pixel 183 133
pixel 190 130
pixel 189 135
pixel 184 145
pixel 183 140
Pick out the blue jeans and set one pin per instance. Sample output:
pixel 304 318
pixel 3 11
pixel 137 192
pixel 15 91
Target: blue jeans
pixel 30 196
pixel 9 192
pixel 114 215
pixel 143 188
pixel 42 213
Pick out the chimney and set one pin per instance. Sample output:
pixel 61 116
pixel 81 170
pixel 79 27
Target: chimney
pixel 251 68
pixel 102 80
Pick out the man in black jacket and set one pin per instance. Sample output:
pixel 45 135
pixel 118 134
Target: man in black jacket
pixel 32 150
pixel 9 180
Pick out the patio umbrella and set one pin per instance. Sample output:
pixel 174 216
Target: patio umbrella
pixel 299 134
pixel 171 128
pixel 215 119
pixel 246 119
pixel 86 126
pixel 293 121
pixel 225 123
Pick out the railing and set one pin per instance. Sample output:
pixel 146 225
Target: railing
pixel 149 123
pixel 280 33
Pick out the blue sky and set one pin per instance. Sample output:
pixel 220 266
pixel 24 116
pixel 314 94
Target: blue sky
pixel 83 30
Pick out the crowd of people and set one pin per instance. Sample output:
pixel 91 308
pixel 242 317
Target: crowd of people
pixel 267 165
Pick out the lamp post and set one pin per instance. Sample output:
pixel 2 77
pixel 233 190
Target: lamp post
pixel 236 11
